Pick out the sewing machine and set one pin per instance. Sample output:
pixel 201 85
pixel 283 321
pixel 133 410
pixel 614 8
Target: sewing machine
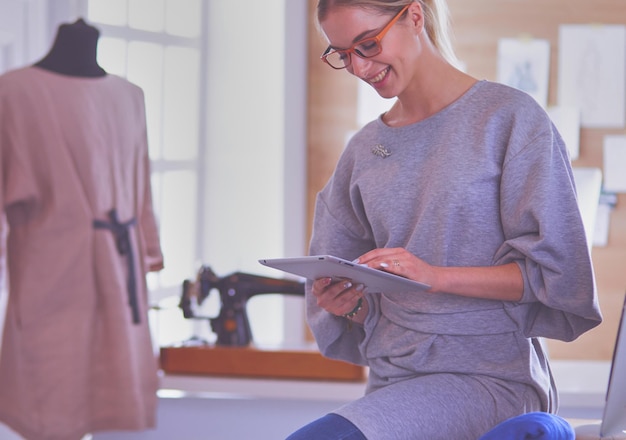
pixel 233 355
pixel 231 325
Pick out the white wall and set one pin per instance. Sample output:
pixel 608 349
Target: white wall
pixel 24 32
pixel 245 133
pixel 255 178
pixel 295 152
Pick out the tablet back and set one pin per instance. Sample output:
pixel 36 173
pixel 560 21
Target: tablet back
pixel 321 266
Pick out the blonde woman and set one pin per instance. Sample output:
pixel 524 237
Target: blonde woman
pixel 464 185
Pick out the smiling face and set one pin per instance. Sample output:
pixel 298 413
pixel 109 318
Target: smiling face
pixel 390 71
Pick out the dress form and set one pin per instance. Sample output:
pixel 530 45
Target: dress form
pixel 73 52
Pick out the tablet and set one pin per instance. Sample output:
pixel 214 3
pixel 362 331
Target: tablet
pixel 320 266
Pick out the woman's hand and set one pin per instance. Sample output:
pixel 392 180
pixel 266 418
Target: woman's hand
pixel 341 298
pixel 401 262
pixel 503 283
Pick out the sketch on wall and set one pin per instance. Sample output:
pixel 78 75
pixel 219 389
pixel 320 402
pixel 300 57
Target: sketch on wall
pixel 524 63
pixel 592 64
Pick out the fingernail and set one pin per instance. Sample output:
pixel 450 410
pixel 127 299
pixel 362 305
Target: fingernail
pixel 356 260
pixel 347 285
pixel 359 287
pixel 384 265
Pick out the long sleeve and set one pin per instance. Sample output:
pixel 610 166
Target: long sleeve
pixel 546 237
pixel 332 237
pixel 153 255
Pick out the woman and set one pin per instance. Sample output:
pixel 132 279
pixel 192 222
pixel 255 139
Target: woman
pixel 464 185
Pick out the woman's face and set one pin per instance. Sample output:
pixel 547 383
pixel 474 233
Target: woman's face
pixel 388 72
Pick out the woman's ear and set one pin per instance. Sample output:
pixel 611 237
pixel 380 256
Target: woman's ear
pixel 416 16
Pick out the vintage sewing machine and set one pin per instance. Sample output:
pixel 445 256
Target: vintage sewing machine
pixel 232 325
pixel 234 353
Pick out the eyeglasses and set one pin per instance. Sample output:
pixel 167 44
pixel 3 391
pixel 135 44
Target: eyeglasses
pixel 366 48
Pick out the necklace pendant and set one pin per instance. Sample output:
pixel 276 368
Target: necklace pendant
pixel 381 151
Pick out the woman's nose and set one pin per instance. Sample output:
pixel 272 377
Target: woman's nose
pixel 359 66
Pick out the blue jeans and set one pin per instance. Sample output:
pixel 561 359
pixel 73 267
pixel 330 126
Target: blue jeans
pixel 329 427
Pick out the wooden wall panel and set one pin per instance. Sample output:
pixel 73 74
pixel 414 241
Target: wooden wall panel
pixel 477 25
pixel 332 98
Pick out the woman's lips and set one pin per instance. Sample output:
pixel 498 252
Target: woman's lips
pixel 378 78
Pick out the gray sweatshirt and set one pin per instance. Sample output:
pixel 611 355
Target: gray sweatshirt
pixel 486 181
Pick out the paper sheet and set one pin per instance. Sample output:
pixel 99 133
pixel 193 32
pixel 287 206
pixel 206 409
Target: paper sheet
pixel 567 121
pixel 524 63
pixel 615 163
pixel 602 225
pixel 588 186
pixel 592 64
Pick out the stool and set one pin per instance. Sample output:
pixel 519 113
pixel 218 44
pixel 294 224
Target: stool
pixel 592 432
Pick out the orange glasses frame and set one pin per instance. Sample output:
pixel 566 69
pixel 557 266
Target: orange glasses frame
pixel 377 38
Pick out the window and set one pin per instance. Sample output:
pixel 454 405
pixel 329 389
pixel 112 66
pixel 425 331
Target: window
pixel 228 189
pixel 157 44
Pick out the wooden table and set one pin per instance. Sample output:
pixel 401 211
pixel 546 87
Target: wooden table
pixel 254 362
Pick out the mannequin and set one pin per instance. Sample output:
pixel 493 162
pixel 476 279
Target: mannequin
pixel 74 51
pixel 77 352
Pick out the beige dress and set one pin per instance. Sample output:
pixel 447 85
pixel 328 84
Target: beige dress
pixel 75 356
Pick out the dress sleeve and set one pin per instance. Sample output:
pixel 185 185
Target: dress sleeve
pixel 19 197
pixel 340 228
pixel 149 231
pixel 3 224
pixel 335 338
pixel 545 236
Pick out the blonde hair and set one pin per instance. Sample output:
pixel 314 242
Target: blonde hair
pixel 436 13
